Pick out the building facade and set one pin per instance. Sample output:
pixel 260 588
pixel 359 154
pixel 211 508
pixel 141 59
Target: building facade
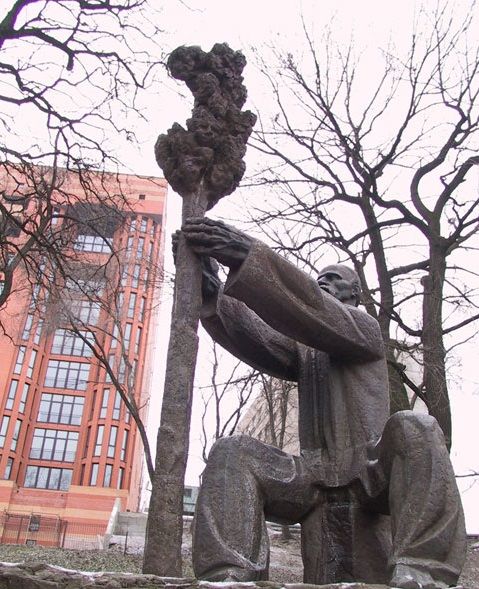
pixel 69 448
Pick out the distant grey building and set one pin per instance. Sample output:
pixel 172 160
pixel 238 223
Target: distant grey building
pixel 190 495
pixel 257 421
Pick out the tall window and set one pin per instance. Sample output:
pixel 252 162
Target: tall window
pixel 138 340
pixel 69 344
pixel 112 441
pixel 16 434
pixel 28 327
pixel 31 363
pixel 139 247
pixel 112 365
pixel 117 406
pixel 124 445
pixel 131 305
pixel 8 469
pixel 135 276
pixel 121 369
pixel 87 443
pixel 121 474
pixel 20 359
pixel 66 409
pixel 107 475
pixel 143 224
pixel 142 309
pixel 99 440
pixel 3 429
pixel 129 245
pixel 94 474
pixel 52 444
pixel 38 332
pixel 127 336
pixel 41 477
pixel 67 375
pixel 24 397
pixel 104 402
pixel 12 391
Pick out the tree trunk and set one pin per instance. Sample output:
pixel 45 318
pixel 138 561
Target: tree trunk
pixel 435 384
pixel 397 391
pixel 398 397
pixel 165 522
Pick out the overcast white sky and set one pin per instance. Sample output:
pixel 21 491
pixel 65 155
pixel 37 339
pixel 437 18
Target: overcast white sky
pixel 251 23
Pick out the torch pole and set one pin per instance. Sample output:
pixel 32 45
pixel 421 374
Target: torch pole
pixel 165 516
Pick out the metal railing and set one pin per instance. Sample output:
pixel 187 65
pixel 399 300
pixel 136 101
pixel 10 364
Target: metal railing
pixel 35 529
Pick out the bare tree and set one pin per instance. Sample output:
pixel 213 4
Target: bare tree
pixel 101 284
pixel 228 397
pixel 71 73
pixel 278 396
pixel 72 70
pixel 378 165
pixel 271 418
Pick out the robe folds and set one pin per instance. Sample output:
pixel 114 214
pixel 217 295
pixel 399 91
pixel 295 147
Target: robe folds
pixel 276 318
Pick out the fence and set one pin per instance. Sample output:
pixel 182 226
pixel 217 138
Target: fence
pixel 34 529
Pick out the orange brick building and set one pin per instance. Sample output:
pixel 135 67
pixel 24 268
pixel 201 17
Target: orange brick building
pixel 69 448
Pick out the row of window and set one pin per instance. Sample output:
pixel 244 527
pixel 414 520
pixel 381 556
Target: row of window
pixel 52 444
pixel 3 432
pixel 59 479
pixel 63 375
pixel 64 409
pixel 20 359
pixel 42 477
pixel 93 243
pixel 27 329
pixel 69 344
pixel 61 445
pixel 140 246
pixel 112 439
pixel 72 375
pixel 67 375
pixel 12 393
pixel 141 224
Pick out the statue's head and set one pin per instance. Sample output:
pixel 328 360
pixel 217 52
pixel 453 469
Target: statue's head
pixel 341 282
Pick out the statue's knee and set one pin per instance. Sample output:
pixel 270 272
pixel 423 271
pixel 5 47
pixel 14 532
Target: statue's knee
pixel 228 446
pixel 410 427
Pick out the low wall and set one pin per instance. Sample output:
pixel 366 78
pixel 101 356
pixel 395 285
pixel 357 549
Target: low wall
pixel 43 576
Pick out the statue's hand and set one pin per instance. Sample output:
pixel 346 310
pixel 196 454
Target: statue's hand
pixel 175 238
pixel 211 283
pixel 217 240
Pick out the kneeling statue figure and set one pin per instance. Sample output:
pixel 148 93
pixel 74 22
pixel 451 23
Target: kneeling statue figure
pixel 284 323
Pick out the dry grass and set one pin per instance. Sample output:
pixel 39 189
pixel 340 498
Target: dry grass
pixel 286 564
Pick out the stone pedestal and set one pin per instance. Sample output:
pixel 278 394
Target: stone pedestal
pixel 342 542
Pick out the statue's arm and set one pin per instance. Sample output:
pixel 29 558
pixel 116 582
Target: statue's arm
pixel 292 303
pixel 240 331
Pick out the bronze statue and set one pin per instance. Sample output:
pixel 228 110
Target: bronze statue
pixel 279 320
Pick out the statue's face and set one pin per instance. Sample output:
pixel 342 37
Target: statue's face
pixel 340 282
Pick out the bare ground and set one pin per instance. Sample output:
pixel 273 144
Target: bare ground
pixel 286 564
